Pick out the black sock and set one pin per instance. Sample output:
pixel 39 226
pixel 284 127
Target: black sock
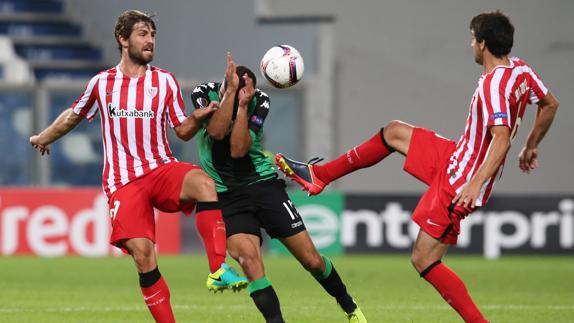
pixel 149 278
pixel 332 283
pixel 266 300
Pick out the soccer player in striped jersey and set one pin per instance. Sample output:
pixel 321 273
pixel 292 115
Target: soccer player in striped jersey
pixel 251 196
pixel 137 102
pixel 460 175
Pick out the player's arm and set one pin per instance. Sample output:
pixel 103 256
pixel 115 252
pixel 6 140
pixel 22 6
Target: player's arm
pixel 189 127
pixel 221 119
pixel 547 107
pixel 240 141
pixel 497 150
pixel 65 122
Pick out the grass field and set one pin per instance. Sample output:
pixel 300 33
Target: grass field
pixel 513 289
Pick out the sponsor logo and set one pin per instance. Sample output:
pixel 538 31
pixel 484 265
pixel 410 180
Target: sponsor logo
pixel 114 112
pixel 296 224
pixel 432 223
pixel 491 232
pixel 151 296
pixel 63 222
pixel 322 224
pixel 265 104
pixel 215 278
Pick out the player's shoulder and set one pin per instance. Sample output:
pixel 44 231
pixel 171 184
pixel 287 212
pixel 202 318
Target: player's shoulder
pixel 262 98
pixel 101 75
pixel 260 93
pixel 159 70
pixel 518 62
pixel 205 88
pixel 163 72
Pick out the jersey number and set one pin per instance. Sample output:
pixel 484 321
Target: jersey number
pixel 291 209
pixel 114 211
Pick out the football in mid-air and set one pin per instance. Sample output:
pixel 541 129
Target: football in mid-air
pixel 282 66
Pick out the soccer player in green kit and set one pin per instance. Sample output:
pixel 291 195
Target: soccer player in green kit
pixel 250 194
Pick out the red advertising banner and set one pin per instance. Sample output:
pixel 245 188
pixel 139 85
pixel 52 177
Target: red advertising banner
pixel 59 222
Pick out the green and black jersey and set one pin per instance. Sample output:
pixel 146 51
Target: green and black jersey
pixel 215 156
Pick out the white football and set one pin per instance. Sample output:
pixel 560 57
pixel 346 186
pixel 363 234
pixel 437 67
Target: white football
pixel 282 66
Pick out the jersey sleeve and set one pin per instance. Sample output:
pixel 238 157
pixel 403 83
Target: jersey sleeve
pixel 87 104
pixel 494 100
pixel 200 95
pixel 174 102
pixel 537 89
pixel 262 104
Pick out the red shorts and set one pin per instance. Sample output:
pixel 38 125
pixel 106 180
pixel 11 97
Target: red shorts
pixel 132 206
pixel 427 160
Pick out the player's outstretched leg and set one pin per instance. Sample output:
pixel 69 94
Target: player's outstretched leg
pixel 211 227
pixel 314 177
pixel 246 249
pixel 426 258
pixel 153 286
pixel 301 246
pixel 302 173
pixel 209 221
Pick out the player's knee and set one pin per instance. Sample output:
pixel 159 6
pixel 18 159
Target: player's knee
pixel 250 262
pixel 207 186
pixel 418 261
pixel 392 130
pixel 143 256
pixel 200 187
pixel 421 261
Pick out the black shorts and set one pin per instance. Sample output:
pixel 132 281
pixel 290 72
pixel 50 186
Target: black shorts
pixel 261 205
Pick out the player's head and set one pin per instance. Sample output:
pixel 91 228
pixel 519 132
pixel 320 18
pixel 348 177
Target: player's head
pixel 240 70
pixel 492 31
pixel 135 35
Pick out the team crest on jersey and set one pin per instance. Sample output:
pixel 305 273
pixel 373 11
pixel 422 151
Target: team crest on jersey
pixel 152 91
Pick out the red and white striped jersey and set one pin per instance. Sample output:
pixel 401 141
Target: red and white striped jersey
pixel 134 113
pixel 499 100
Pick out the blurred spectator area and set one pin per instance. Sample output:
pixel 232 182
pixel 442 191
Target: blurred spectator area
pixel 47 56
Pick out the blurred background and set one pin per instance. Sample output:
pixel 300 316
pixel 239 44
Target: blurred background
pixel 366 63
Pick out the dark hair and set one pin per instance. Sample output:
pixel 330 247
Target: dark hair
pixel 496 30
pixel 241 70
pixel 126 22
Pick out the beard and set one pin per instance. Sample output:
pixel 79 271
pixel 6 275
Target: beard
pixel 138 57
pixel 478 60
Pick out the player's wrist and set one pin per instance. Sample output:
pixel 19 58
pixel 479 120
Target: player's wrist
pixel 231 88
pixel 531 144
pixel 43 139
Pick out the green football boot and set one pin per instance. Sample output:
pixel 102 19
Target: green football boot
pixel 226 278
pixel 356 316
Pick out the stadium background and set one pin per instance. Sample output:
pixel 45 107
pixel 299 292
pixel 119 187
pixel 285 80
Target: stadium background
pixel 367 63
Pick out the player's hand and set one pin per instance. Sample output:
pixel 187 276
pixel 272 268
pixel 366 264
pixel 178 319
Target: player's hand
pixel 35 142
pixel 231 78
pixel 246 93
pixel 468 195
pixel 528 159
pixel 204 112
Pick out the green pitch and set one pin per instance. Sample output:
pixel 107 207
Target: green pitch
pixel 513 289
